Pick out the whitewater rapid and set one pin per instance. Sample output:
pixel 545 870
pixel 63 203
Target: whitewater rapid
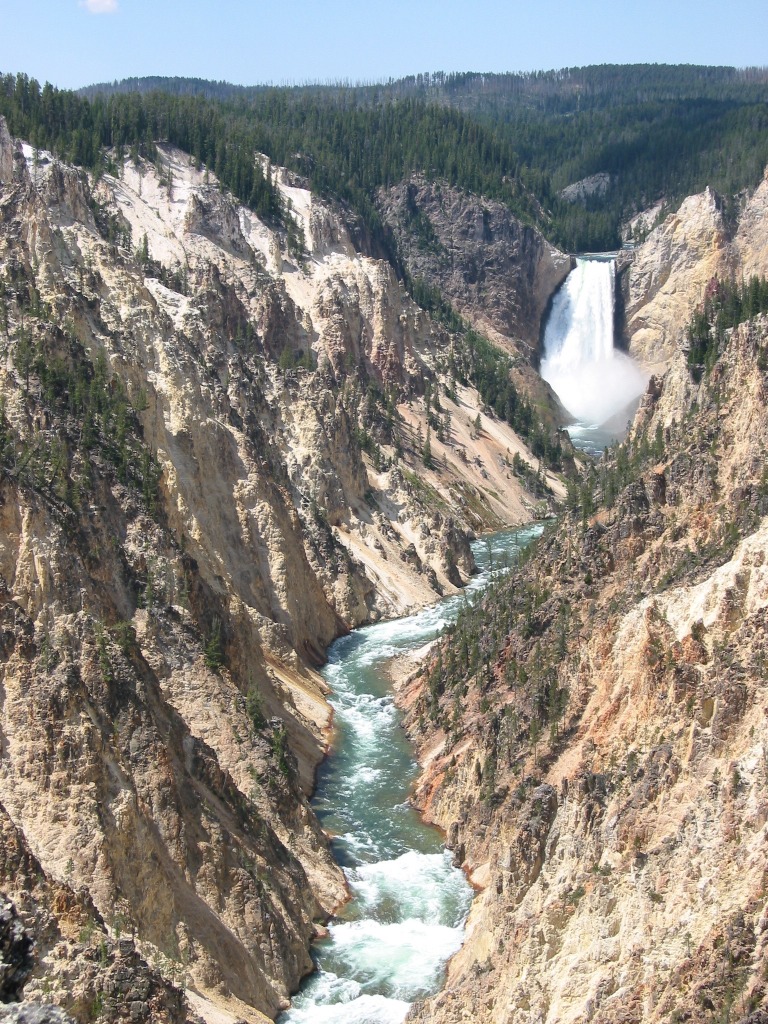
pixel 390 943
pixel 596 382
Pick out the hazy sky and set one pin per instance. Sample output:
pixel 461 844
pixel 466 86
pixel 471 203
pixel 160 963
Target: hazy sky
pixel 76 42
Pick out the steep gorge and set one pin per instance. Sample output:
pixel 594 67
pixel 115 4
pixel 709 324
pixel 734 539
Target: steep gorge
pixel 213 463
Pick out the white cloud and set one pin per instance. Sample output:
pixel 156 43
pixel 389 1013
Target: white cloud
pixel 99 6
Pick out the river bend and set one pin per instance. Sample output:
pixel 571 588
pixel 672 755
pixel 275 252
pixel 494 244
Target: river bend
pixel 390 943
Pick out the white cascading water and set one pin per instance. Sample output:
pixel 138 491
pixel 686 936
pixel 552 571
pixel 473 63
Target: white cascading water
pixel 390 943
pixel 595 382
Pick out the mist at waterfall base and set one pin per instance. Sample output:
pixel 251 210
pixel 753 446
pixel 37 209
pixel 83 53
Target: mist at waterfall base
pixel 390 943
pixel 597 384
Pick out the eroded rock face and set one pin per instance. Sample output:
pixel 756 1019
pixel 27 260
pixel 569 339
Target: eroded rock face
pixel 34 1013
pixel 15 953
pixel 496 271
pixel 6 154
pixel 621 845
pixel 87 973
pixel 665 278
pixel 668 275
pixel 584 190
pixel 751 241
pixel 118 767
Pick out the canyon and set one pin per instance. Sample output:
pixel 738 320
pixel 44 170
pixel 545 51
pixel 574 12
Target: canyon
pixel 213 464
pixel 228 441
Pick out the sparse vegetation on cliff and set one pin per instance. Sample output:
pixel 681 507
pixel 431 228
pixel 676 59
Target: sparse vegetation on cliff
pixel 212 444
pixel 623 665
pixel 227 436
pixel 726 305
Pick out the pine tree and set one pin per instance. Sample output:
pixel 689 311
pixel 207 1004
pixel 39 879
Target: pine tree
pixel 426 454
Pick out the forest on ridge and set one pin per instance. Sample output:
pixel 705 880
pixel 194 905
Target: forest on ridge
pixel 655 133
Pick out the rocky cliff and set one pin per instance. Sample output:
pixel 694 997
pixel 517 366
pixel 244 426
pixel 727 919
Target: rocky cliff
pixel 594 739
pixel 223 442
pixel 496 272
pixel 665 278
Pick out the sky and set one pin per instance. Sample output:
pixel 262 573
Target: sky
pixel 72 43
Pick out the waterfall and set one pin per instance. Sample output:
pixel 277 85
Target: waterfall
pixel 595 382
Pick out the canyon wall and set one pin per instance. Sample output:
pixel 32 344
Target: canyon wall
pixel 594 739
pixel 496 272
pixel 665 278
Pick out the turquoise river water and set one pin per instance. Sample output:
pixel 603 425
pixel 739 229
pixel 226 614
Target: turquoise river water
pixel 390 943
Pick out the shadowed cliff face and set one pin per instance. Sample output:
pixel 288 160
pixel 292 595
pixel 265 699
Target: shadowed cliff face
pixel 495 270
pixel 211 464
pixel 594 739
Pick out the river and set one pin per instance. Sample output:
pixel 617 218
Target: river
pixel 390 943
